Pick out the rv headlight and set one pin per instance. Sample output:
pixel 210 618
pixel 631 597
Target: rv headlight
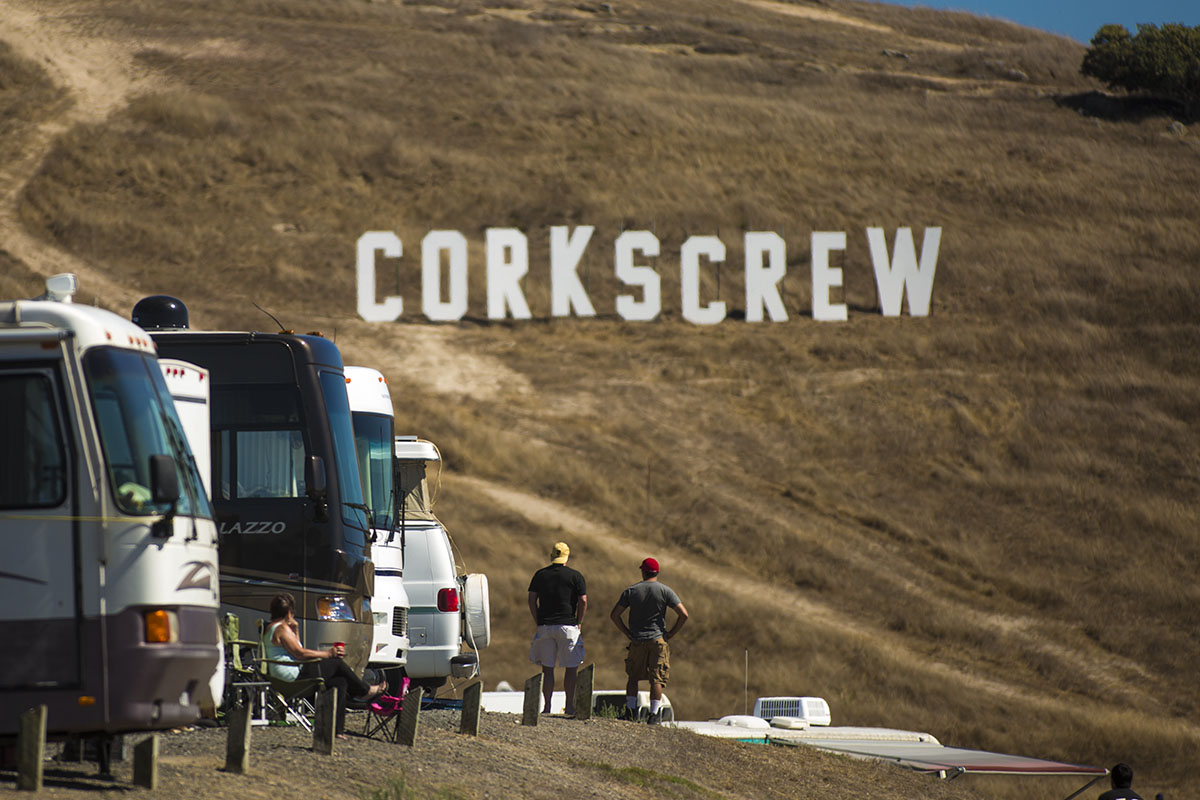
pixel 334 609
pixel 379 617
pixel 162 626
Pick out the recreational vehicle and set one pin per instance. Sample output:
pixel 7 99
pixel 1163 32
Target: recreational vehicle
pixel 371 412
pixel 414 562
pixel 108 584
pixel 285 485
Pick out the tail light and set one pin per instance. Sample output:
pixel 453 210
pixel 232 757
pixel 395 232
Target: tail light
pixel 448 600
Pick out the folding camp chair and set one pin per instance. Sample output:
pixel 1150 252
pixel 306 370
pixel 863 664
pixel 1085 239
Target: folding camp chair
pixel 243 685
pixel 291 700
pixel 383 714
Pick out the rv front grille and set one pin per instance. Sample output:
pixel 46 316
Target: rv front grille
pixel 399 621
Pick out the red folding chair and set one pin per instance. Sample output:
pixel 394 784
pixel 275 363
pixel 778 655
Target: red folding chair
pixel 383 714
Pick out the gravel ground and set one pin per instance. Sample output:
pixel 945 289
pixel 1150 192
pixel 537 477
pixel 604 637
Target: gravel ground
pixel 558 759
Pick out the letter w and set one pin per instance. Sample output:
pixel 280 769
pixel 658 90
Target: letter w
pixel 903 272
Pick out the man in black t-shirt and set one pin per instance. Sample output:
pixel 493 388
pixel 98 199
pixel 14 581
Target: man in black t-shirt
pixel 558 601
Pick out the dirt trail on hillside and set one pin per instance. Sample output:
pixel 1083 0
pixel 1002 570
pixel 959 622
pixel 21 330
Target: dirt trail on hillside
pixel 99 77
pixel 780 600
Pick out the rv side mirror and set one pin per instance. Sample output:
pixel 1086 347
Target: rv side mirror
pixel 164 479
pixel 314 477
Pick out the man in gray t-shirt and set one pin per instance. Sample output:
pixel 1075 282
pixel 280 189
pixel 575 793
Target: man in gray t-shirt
pixel 649 656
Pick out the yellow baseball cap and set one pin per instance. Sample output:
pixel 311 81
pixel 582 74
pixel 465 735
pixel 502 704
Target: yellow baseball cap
pixel 559 553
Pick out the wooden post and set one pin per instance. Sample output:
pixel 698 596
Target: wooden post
pixel 31 749
pixel 145 762
pixel 584 681
pixel 237 742
pixel 410 717
pixel 471 707
pixel 533 700
pixel 325 722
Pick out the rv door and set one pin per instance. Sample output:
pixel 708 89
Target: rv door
pixel 39 529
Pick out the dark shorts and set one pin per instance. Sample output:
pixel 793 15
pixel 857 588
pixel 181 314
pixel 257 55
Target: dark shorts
pixel 649 660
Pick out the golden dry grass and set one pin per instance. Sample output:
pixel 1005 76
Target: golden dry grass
pixel 993 509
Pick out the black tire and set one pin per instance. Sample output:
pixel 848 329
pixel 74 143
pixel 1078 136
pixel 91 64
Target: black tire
pixel 430 685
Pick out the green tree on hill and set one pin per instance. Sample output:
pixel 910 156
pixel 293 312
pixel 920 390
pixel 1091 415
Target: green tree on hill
pixel 1161 60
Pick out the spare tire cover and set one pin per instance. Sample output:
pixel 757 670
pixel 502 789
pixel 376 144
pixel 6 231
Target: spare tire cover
pixel 478 616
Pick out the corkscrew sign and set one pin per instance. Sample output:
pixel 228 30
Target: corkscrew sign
pixel 444 292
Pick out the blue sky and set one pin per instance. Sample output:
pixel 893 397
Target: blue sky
pixel 1079 19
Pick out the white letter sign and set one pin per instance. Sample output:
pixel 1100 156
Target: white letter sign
pixel 566 249
pixel 454 244
pixel 507 263
pixel 689 279
pixel 628 307
pixel 368 244
pixel 903 271
pixel 762 283
pixel 825 277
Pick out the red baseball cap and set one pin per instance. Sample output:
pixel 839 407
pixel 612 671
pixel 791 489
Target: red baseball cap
pixel 649 565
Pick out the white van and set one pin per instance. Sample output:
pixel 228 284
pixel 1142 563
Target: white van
pixel 449 609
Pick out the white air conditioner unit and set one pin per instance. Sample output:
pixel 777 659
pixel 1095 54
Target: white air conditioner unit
pixel 813 710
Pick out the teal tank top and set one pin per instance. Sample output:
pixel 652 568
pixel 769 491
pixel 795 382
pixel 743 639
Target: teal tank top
pixel 284 672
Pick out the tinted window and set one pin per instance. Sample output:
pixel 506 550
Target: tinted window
pixel 258 442
pixel 232 361
pixel 136 419
pixel 373 444
pixel 255 406
pixel 259 464
pixel 337 404
pixel 32 451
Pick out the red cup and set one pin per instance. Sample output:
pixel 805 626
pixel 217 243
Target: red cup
pixel 339 644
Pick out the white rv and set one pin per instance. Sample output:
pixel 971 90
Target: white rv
pixel 425 611
pixel 371 414
pixel 109 582
pixel 189 388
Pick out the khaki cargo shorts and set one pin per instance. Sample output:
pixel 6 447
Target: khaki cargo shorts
pixel 649 660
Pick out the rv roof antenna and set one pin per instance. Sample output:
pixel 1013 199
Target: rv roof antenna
pixel 272 316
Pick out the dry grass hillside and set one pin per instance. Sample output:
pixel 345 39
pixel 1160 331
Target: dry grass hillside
pixel 982 523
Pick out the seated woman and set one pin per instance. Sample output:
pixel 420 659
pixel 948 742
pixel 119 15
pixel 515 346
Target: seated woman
pixel 281 641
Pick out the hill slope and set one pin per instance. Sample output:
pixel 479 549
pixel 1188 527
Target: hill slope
pixel 982 523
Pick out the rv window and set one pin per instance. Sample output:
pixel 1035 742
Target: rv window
pixel 258 441
pixel 337 405
pixel 373 443
pixel 259 464
pixel 256 406
pixel 137 420
pixel 32 453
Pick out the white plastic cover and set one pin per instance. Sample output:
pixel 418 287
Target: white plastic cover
pixel 478 611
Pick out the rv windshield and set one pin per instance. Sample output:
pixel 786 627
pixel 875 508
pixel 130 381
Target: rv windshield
pixel 373 443
pixel 136 419
pixel 337 405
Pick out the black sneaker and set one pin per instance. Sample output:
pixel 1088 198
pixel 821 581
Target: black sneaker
pixel 626 714
pixel 655 718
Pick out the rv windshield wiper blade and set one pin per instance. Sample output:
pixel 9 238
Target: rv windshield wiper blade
pixel 363 508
